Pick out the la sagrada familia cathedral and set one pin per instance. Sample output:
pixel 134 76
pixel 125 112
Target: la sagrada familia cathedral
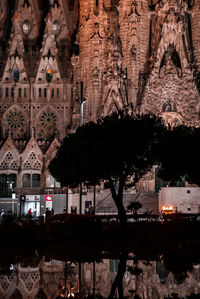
pixel 66 62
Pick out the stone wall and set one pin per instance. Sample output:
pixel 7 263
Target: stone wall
pixel 182 199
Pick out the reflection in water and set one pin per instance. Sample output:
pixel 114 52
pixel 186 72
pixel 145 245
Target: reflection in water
pixel 108 278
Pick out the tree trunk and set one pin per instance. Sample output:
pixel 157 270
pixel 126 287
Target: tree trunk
pixel 121 214
pixel 118 282
pixel 118 199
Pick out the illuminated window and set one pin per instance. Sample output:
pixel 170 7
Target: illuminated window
pixel 49 75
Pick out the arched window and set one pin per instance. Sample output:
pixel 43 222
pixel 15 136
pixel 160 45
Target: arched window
pixel 3 184
pixel 167 107
pixel 12 178
pixel 26 180
pixel 36 180
pixel 7 184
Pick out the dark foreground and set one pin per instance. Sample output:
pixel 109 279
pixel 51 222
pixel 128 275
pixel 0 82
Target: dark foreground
pixel 87 239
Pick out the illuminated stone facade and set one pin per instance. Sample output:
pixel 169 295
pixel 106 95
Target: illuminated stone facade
pixel 59 57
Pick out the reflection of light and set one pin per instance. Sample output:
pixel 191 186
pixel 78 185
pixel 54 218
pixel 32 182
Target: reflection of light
pixel 26 27
pixel 70 294
pixel 11 267
pixel 56 27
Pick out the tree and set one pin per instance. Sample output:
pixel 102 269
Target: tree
pixel 116 149
pixel 179 155
pixel 134 206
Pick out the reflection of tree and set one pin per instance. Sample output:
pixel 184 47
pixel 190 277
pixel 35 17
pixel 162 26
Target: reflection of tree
pixel 118 282
pixel 179 264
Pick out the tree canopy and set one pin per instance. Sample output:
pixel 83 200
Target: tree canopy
pixel 114 149
pixel 179 155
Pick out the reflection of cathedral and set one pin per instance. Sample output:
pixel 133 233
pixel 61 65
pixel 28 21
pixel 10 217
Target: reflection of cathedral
pixel 59 57
pixel 36 282
pixel 146 279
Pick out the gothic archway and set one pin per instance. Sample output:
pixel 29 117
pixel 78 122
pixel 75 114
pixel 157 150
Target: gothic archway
pixel 113 103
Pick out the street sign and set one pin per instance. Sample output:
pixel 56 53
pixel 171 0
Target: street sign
pixel 49 199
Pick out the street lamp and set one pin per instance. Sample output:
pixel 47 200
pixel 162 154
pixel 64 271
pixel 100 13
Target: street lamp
pixel 10 188
pixel 82 102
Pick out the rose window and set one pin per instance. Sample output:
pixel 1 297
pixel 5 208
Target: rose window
pixel 48 120
pixel 15 119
